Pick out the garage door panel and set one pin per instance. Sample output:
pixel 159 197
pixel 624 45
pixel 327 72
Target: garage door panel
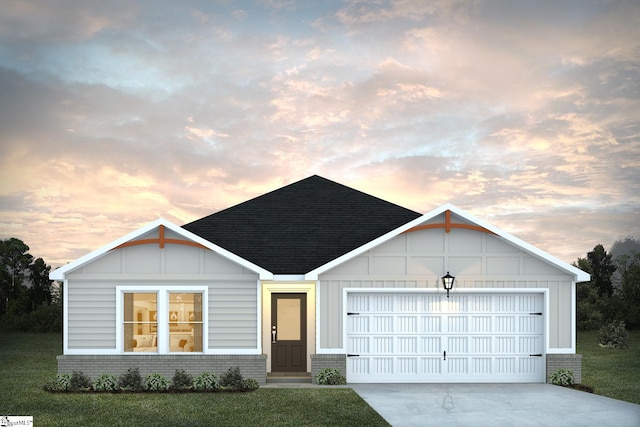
pixel 431 366
pixel 431 324
pixel 358 367
pixel 358 324
pixel 456 345
pixel 482 345
pixel 407 324
pixel 505 324
pixel 457 324
pixel 505 345
pixel 407 345
pixel 481 303
pixel 457 365
pixel 456 304
pixel 403 338
pixel 481 324
pixel 528 303
pixel 407 365
pixel 530 324
pixel 530 345
pixel 505 365
pixel 383 303
pixel 359 344
pixel 383 366
pixel 382 345
pixel 382 324
pixel 431 345
pixel 482 365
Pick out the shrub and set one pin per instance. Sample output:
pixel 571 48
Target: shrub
pixel 181 380
pixel 232 379
pixel 563 377
pixel 206 381
pixel 106 383
pixel 130 380
pixel 80 381
pixel 46 318
pixel 330 376
pixel 614 335
pixel 61 383
pixel 156 382
pixel 249 384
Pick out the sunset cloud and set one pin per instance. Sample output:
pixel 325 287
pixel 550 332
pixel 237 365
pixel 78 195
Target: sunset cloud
pixel 113 114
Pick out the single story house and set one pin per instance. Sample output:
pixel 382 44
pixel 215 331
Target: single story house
pixel 317 274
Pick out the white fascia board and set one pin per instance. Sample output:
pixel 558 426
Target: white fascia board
pixel 579 275
pixel 59 273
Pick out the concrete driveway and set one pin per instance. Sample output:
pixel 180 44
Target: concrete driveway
pixel 495 405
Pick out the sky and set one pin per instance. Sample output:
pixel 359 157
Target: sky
pixel 526 114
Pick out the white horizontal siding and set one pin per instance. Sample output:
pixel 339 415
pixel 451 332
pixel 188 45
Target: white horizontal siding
pixel 233 315
pixel 91 308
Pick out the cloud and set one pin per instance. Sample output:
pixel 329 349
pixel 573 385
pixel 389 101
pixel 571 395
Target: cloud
pixel 115 113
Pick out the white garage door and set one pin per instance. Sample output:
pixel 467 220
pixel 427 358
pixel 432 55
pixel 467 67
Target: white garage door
pixel 412 337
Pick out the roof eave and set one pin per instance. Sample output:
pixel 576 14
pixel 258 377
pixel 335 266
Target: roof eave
pixel 61 272
pixel 579 275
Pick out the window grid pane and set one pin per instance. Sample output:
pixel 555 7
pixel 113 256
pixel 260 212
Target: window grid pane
pixel 140 322
pixel 185 322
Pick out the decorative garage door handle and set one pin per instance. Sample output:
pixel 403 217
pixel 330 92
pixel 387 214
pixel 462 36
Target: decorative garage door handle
pixel 445 355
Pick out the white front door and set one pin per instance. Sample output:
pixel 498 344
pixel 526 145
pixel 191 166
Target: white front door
pixel 421 337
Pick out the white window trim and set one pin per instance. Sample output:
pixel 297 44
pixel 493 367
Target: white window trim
pixel 162 302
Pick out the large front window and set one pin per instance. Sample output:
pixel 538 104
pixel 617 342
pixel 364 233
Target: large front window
pixel 162 322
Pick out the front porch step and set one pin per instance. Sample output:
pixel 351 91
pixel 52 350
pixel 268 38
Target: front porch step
pixel 288 377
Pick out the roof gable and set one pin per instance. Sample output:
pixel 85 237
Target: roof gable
pixel 302 226
pixel 464 220
pixel 138 237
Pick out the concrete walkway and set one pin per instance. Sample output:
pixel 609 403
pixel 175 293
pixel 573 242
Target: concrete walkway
pixel 495 405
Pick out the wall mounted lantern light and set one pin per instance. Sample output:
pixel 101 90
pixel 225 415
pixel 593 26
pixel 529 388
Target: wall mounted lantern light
pixel 447 282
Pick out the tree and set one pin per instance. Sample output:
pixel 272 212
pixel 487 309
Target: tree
pixel 629 267
pixel 588 311
pixel 602 269
pixel 14 263
pixel 40 290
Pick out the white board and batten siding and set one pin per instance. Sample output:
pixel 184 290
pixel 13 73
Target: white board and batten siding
pixel 425 337
pixel 418 260
pixel 91 299
pixel 508 306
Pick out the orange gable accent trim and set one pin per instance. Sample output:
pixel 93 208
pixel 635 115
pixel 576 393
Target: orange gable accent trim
pixel 161 241
pixel 448 225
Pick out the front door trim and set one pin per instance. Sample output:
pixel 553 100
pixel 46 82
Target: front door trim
pixel 269 287
pixel 289 340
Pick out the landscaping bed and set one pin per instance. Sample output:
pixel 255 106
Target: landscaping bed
pixel 29 362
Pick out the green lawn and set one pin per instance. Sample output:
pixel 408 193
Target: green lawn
pixel 612 373
pixel 28 361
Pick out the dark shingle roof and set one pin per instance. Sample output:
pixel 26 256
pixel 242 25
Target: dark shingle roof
pixel 301 226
